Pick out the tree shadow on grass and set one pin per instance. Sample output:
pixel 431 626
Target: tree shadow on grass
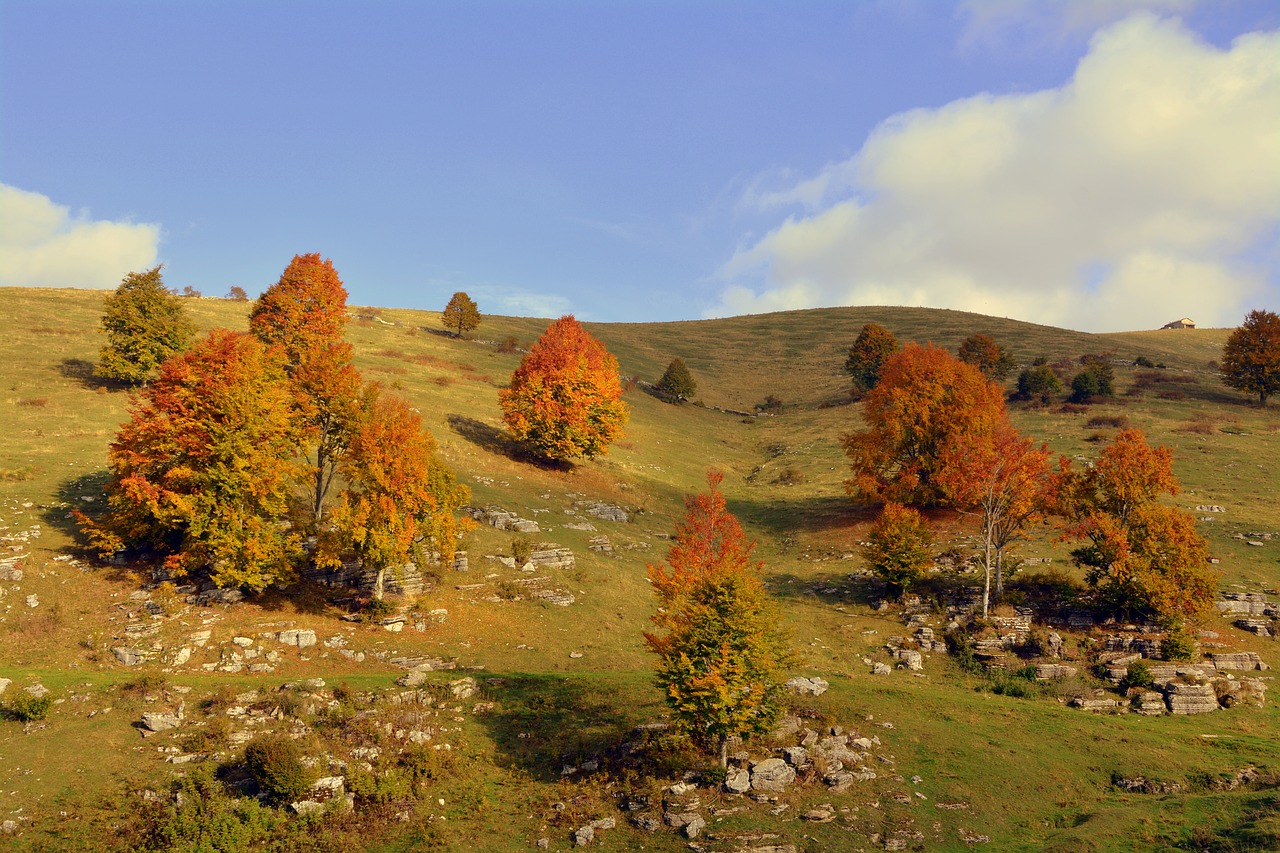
pixel 80 371
pixel 496 441
pixel 784 516
pixel 544 723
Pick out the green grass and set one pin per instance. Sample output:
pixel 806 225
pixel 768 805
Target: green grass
pixel 1035 774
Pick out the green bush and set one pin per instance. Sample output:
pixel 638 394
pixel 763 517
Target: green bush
pixel 275 763
pixel 521 548
pixel 25 708
pixel 1178 645
pixel 1139 675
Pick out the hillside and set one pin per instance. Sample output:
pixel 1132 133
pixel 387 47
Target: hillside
pixel 563 685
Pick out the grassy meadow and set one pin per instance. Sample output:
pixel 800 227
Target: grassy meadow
pixel 565 684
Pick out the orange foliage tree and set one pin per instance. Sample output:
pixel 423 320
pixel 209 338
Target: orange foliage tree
pixel 302 318
pixel 401 502
pixel 201 473
pixel 720 649
pixel 985 354
pixel 1002 476
pixel 565 398
pixel 925 398
pixel 1141 555
pixel 1251 356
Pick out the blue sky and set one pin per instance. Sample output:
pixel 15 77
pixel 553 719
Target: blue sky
pixel 1097 164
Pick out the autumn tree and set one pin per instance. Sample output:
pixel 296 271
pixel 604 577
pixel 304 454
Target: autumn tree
pixel 984 353
pixel 1251 356
pixel 401 502
pixel 899 547
pixel 874 346
pixel 461 314
pixel 237 294
pixel 720 648
pixel 925 398
pixel 1002 477
pixel 202 471
pixel 677 383
pixel 302 318
pixel 1140 555
pixel 145 323
pixel 565 398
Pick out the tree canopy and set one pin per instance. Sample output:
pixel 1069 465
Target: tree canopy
pixel 984 353
pixel 144 323
pixel 1251 356
pixel 721 650
pixel 401 501
pixel 565 398
pixel 201 473
pixel 899 547
pixel 461 315
pixel 677 382
pixel 925 398
pixel 1141 555
pixel 302 318
pixel 874 346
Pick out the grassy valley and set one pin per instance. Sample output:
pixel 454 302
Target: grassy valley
pixel 559 688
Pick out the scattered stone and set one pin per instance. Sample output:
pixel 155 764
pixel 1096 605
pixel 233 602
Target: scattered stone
pixel 128 657
pixel 910 659
pixel 607 512
pixel 737 780
pixel 295 637
pixel 463 688
pixel 1237 661
pixel 772 774
pixel 37 690
pixel 33 601
pixel 813 686
pixel 881 669
pixel 558 597
pixel 1046 671
pixel 1148 703
pixel 160 722
pixel 4 684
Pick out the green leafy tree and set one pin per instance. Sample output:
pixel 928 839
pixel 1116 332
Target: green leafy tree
pixel 461 315
pixel 1039 384
pixel 201 474
pixel 402 502
pixel 1251 356
pixel 302 318
pixel 145 323
pixel 899 547
pixel 874 346
pixel 565 398
pixel 1096 380
pixel 721 650
pixel 677 383
pixel 984 353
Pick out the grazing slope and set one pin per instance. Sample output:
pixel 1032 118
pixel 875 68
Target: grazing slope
pixel 1028 773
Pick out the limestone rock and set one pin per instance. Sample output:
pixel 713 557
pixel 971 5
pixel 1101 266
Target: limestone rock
pixel 881 669
pixel 1237 661
pixel 128 657
pixel 160 722
pixel 1045 671
pixel 910 659
pixel 814 686
pixel 737 780
pixel 295 637
pixel 4 684
pixel 1190 698
pixel 771 775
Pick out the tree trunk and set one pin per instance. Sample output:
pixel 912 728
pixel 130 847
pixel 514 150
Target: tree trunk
pixel 999 573
pixel 377 584
pixel 986 562
pixel 724 751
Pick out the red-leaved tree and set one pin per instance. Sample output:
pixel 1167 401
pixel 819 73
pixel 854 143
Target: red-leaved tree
pixel 925 398
pixel 565 398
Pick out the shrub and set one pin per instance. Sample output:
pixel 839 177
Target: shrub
pixel 1178 644
pixel 1095 381
pixel 521 549
pixel 1143 361
pixel 25 708
pixel 1138 675
pixel 377 609
pixel 791 477
pixel 509 344
pixel 769 405
pixel 275 763
pixel 1115 421
pixel 1039 384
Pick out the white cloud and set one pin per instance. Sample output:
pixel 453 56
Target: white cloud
pixel 989 23
pixel 1147 185
pixel 43 245
pixel 515 302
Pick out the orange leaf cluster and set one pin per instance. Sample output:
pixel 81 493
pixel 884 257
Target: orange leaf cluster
pixel 565 398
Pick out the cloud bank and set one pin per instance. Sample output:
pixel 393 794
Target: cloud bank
pixel 43 245
pixel 1145 189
